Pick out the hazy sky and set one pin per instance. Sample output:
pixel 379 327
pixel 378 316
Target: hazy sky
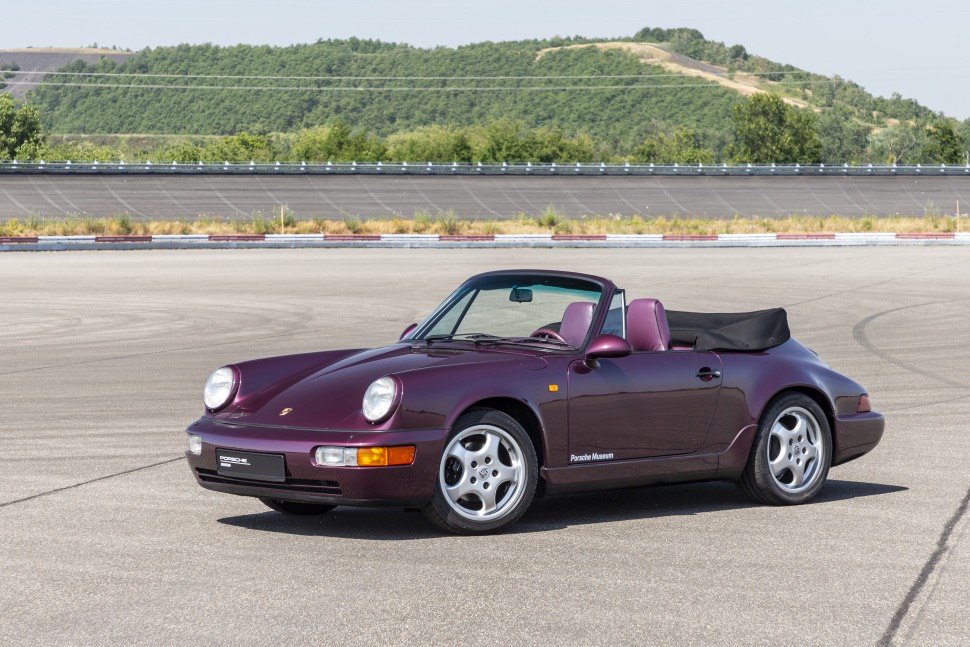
pixel 916 48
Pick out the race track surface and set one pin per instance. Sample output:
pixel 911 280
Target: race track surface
pixel 106 539
pixel 145 197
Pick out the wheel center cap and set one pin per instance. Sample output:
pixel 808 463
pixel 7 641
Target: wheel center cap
pixel 483 473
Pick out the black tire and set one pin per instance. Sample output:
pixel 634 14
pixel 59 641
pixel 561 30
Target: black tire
pixel 791 452
pixel 494 482
pixel 296 507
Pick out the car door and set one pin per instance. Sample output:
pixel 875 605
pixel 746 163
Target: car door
pixel 644 405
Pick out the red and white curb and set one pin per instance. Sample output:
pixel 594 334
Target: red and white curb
pixel 203 241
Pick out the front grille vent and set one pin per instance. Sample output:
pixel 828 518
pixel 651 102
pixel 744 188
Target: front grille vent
pixel 291 484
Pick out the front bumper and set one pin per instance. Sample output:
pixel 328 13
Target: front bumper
pixel 305 481
pixel 856 434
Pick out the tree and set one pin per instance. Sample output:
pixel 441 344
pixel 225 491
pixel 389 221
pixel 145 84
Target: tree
pixel 965 140
pixel 769 130
pixel 900 143
pixel 843 138
pixel 682 146
pixel 430 144
pixel 19 128
pixel 337 142
pixel 943 145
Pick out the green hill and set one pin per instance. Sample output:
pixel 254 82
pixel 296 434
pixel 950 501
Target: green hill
pixel 617 92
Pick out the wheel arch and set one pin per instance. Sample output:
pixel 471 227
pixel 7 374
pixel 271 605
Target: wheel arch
pixel 819 397
pixel 523 414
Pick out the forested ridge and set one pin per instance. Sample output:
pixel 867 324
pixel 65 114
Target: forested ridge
pixel 384 100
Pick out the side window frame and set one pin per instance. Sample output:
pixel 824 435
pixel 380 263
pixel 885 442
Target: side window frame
pixel 621 294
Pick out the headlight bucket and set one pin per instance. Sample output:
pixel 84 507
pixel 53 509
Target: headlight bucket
pixel 220 388
pixel 380 399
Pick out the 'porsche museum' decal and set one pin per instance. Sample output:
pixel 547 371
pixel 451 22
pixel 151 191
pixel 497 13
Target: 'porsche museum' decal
pixel 586 458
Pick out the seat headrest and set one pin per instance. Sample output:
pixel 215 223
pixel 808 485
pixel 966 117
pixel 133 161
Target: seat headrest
pixel 646 325
pixel 575 322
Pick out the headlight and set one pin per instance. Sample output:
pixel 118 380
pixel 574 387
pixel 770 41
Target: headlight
pixel 219 388
pixel 379 398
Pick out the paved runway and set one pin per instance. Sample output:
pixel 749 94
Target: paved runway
pixel 106 539
pixel 145 197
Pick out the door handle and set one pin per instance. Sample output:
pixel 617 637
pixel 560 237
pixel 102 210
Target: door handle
pixel 707 374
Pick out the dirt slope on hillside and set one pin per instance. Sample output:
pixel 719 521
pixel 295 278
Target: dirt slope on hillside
pixel 650 54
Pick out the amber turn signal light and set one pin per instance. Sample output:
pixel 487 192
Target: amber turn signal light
pixel 383 456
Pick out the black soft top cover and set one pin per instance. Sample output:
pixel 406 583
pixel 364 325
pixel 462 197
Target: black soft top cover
pixel 744 331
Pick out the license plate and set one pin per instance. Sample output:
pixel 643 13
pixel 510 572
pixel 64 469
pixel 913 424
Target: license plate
pixel 249 465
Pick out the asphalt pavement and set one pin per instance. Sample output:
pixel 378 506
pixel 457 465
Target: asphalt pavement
pixel 106 539
pixel 172 197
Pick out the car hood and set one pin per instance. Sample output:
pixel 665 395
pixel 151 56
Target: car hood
pixel 329 397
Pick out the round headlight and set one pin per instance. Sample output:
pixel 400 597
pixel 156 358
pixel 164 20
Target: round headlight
pixel 218 388
pixel 379 399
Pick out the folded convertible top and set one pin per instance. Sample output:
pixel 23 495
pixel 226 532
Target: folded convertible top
pixel 746 331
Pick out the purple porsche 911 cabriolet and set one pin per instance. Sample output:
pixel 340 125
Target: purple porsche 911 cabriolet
pixel 531 380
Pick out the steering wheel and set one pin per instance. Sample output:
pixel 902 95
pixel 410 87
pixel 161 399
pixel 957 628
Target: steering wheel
pixel 547 332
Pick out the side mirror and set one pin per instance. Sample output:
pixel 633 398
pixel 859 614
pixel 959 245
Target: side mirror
pixel 407 331
pixel 607 346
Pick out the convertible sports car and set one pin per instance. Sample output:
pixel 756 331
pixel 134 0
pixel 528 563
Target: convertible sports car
pixel 530 381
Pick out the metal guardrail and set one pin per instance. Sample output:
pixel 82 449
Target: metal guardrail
pixel 436 241
pixel 429 168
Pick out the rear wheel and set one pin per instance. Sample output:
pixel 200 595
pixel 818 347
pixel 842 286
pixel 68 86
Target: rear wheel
pixel 487 474
pixel 791 453
pixel 296 507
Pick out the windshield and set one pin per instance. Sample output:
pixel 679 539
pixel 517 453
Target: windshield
pixel 556 309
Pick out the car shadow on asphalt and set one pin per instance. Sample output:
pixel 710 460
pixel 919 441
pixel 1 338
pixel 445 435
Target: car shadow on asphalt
pixel 547 513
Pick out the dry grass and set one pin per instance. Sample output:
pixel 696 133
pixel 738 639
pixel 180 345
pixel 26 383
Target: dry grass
pixel 547 222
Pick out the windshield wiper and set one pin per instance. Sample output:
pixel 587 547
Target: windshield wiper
pixel 545 341
pixel 465 336
pixel 482 339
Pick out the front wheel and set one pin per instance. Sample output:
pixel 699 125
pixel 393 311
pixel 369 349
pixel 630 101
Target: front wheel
pixel 487 475
pixel 791 453
pixel 296 507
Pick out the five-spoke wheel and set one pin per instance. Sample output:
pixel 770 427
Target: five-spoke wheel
pixel 487 474
pixel 791 453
